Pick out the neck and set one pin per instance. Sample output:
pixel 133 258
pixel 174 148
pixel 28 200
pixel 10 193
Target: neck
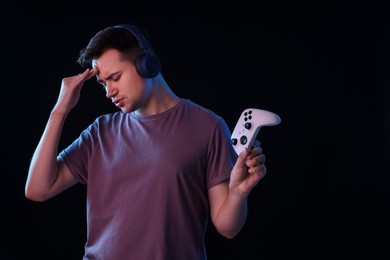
pixel 159 99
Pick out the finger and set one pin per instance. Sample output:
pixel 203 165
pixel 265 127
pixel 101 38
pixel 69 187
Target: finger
pixel 256 161
pixel 261 159
pixel 256 143
pixel 87 74
pixel 259 163
pixel 92 72
pixel 79 79
pixel 255 151
pixel 243 156
pixel 261 171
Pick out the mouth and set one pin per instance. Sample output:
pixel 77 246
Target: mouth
pixel 118 102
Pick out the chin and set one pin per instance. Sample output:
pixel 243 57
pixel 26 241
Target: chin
pixel 127 110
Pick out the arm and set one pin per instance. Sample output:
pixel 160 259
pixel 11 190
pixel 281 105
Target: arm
pixel 228 201
pixel 48 175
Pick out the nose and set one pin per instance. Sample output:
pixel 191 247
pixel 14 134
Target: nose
pixel 111 91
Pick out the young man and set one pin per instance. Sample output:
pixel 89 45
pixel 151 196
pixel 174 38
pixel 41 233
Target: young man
pixel 154 171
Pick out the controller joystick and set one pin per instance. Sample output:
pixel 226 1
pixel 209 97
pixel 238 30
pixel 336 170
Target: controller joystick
pixel 248 127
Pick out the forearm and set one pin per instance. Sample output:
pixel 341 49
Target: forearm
pixel 232 215
pixel 229 202
pixel 43 167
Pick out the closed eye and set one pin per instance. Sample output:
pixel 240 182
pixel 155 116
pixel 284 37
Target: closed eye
pixel 115 79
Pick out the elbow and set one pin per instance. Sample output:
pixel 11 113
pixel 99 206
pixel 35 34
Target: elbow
pixel 228 228
pixel 34 196
pixel 228 233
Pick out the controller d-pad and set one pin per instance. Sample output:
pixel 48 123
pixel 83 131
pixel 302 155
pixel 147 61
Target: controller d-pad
pixel 243 140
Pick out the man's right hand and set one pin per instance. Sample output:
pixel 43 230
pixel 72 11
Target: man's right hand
pixel 70 91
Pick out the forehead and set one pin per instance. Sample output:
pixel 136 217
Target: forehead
pixel 109 62
pixel 108 58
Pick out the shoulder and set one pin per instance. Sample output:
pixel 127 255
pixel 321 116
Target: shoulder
pixel 204 117
pixel 201 111
pixel 109 121
pixel 106 118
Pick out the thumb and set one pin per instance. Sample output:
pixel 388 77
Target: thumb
pixel 242 157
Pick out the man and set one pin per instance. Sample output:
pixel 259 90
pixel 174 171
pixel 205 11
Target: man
pixel 154 171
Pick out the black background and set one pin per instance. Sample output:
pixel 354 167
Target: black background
pixel 322 66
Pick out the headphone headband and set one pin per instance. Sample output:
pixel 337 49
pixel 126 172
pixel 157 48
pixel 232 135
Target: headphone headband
pixel 142 42
pixel 147 64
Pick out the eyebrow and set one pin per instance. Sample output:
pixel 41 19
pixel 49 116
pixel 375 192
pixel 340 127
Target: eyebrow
pixel 110 76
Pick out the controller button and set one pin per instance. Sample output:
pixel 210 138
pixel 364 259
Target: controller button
pixel 243 139
pixel 234 141
pixel 248 125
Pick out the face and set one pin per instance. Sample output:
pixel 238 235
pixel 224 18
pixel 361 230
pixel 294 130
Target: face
pixel 121 81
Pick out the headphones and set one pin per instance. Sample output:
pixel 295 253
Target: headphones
pixel 147 64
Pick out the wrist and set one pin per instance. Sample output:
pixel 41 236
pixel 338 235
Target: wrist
pixel 238 194
pixel 58 113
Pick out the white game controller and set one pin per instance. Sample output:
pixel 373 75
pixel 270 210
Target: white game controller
pixel 248 126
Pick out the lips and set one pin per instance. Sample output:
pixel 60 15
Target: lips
pixel 118 102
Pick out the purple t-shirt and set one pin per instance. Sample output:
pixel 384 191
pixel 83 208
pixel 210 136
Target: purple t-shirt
pixel 147 179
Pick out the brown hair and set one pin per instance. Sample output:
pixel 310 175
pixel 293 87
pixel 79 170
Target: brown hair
pixel 109 38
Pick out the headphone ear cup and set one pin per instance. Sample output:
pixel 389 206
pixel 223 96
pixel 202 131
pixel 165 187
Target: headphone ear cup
pixel 148 65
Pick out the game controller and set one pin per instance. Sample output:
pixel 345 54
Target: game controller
pixel 248 126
